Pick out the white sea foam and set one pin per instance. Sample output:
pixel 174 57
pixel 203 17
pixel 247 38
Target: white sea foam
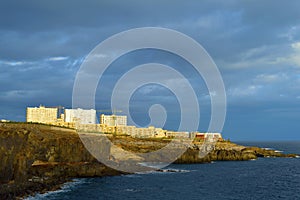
pixel 159 168
pixel 267 148
pixel 66 187
pixel 130 190
pixel 165 171
pixel 156 165
pixel 132 175
pixel 175 170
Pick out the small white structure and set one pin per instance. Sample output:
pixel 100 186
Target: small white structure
pixel 81 116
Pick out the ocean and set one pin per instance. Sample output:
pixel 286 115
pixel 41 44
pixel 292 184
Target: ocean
pixel 264 178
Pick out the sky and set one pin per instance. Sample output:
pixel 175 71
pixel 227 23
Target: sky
pixel 255 45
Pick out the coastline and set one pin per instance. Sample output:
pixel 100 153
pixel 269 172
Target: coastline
pixel 36 158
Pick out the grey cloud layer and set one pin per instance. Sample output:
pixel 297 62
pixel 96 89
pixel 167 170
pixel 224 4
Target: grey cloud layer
pixel 254 43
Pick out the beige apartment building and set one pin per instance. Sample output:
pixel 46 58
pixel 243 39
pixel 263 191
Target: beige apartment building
pixel 177 134
pixel 113 120
pixel 41 114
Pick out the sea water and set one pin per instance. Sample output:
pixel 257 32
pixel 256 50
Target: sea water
pixel 263 178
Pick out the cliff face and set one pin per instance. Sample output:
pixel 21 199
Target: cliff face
pixel 37 157
pixel 221 151
pixel 32 154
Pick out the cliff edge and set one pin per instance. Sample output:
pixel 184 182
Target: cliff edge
pixel 37 157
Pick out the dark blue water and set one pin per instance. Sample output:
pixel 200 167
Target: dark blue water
pixel 264 178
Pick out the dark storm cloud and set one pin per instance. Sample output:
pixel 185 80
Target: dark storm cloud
pixel 64 14
pixel 74 27
pixel 254 43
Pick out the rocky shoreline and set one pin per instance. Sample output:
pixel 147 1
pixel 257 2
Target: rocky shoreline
pixel 39 158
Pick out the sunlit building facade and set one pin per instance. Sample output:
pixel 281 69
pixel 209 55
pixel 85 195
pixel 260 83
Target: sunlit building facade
pixel 41 114
pixel 80 116
pixel 113 120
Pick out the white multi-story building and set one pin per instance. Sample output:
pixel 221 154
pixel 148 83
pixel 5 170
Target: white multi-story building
pixel 80 116
pixel 41 114
pixel 113 120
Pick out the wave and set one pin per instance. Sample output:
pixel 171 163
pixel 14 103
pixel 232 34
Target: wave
pixel 66 187
pixel 155 165
pixel 132 175
pixel 174 170
pixel 277 151
pixel 159 167
pixel 267 148
pixel 165 171
pixel 131 190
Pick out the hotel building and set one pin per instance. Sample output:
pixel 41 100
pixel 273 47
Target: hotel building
pixel 41 114
pixel 80 116
pixel 113 120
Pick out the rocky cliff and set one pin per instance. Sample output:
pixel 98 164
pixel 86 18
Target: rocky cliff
pixel 221 151
pixel 37 157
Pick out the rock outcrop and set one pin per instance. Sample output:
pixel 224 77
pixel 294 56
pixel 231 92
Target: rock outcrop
pixel 37 157
pixel 220 151
pixel 34 156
